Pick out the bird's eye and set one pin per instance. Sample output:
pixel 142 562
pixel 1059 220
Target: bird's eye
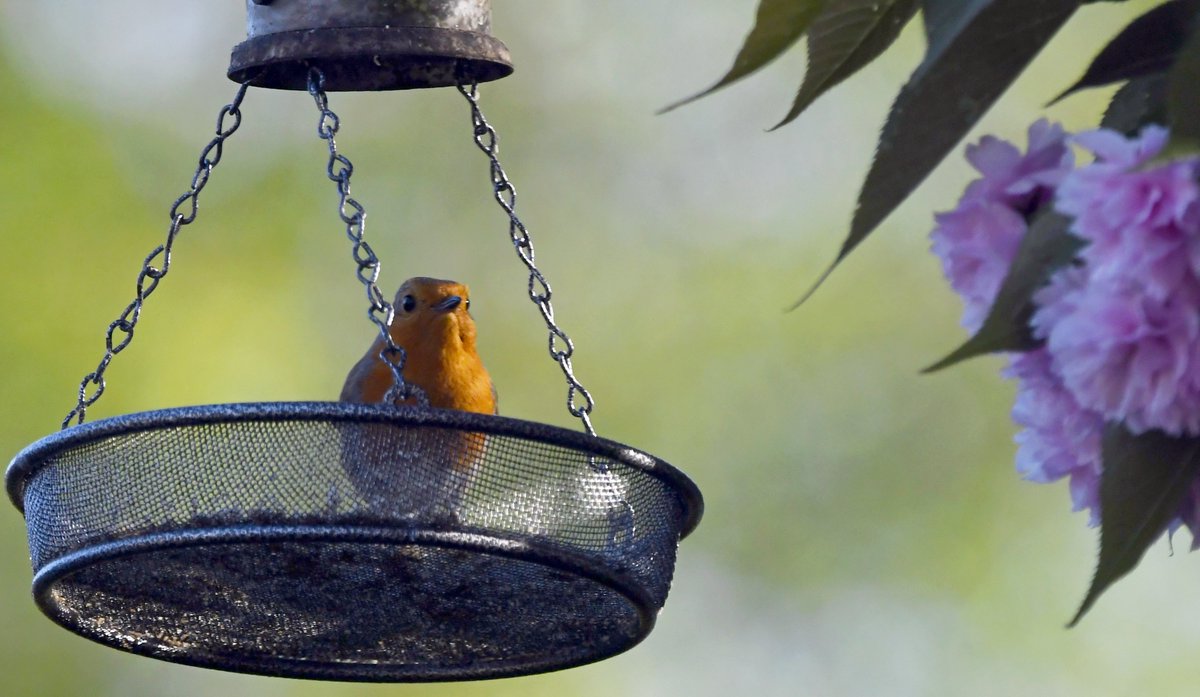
pixel 408 303
pixel 467 304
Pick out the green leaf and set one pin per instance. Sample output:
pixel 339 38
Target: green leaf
pixel 844 38
pixel 1183 96
pixel 1047 247
pixel 1139 102
pixel 1147 46
pixel 954 85
pixel 946 19
pixel 1142 486
pixel 778 25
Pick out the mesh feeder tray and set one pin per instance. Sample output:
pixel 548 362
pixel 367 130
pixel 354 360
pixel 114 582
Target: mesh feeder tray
pixel 327 540
pixel 347 541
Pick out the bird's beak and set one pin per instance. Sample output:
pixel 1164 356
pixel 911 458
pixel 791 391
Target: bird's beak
pixel 451 302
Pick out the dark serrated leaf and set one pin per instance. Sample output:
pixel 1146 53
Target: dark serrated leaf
pixel 1142 486
pixel 1047 247
pixel 1148 45
pixel 1183 95
pixel 844 38
pixel 777 25
pixel 1139 102
pixel 946 19
pixel 945 96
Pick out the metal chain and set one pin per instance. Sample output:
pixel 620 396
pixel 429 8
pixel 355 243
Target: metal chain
pixel 354 215
pixel 150 275
pixel 561 347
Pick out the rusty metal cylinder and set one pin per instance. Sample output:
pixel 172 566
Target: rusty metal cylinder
pixel 369 44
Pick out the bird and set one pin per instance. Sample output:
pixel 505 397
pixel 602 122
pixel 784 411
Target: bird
pixel 431 321
pixel 433 324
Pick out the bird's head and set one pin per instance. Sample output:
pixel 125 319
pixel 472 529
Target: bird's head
pixel 431 309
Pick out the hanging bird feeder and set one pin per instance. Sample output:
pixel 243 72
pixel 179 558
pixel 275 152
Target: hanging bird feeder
pixel 242 536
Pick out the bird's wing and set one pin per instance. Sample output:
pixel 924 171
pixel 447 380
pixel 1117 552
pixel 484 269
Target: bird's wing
pixel 356 381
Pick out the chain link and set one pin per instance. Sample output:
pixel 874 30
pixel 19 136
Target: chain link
pixel 354 215
pixel 561 347
pixel 120 332
pixel 380 312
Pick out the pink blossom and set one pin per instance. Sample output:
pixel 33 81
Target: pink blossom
pixel 978 240
pixel 1115 150
pixel 1128 355
pixel 1124 332
pixel 1138 223
pixel 1120 325
pixel 1058 300
pixel 1059 437
pixel 977 243
pixel 1020 181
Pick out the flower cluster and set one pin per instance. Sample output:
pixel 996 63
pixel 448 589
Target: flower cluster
pixel 978 240
pixel 1120 328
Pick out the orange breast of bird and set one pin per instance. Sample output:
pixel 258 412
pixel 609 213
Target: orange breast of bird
pixel 433 324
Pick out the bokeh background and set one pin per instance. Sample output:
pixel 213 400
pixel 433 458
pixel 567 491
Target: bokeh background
pixel 865 533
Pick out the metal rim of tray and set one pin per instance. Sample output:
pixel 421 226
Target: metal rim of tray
pixel 276 666
pixel 27 462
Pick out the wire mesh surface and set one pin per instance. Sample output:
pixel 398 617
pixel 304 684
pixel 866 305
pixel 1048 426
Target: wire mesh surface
pixel 351 542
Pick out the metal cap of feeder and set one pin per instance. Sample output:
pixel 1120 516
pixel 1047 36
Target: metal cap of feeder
pixel 369 44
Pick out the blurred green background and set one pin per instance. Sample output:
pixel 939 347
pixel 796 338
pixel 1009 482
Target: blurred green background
pixel 865 533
